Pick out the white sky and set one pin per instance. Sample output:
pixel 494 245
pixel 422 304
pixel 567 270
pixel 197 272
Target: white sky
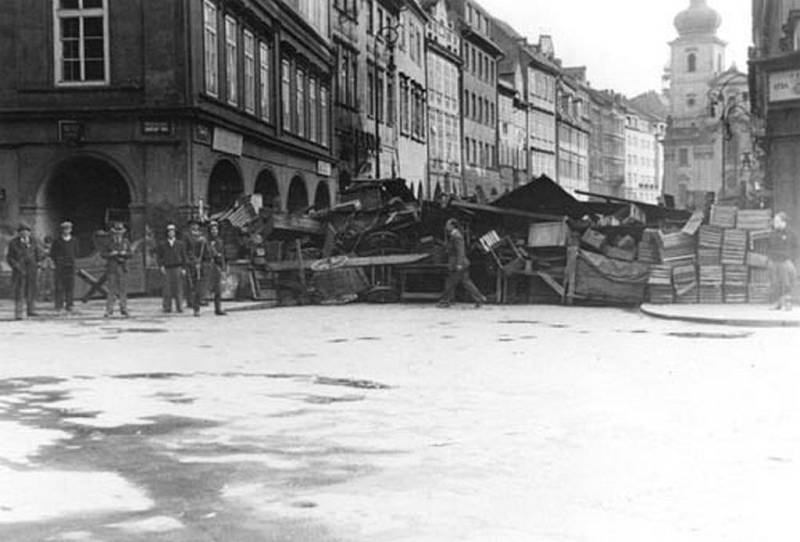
pixel 623 43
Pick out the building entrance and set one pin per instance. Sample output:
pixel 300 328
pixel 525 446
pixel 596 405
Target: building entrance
pixel 224 186
pixel 89 192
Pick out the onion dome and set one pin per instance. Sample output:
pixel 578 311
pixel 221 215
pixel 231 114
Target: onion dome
pixel 698 18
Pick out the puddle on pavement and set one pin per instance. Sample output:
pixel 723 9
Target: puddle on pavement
pixel 327 400
pixel 531 322
pixel 368 338
pixel 639 331
pixel 337 340
pixel 709 335
pixel 350 383
pixel 135 329
pixel 154 376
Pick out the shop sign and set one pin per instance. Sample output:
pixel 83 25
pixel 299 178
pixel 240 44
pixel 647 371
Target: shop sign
pixel 323 168
pixel 156 127
pixel 784 86
pixel 227 141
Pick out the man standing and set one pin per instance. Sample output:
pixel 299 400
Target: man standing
pixel 216 267
pixel 64 252
pixel 171 256
pixel 782 254
pixel 117 253
pixel 23 257
pixel 197 253
pixel 458 265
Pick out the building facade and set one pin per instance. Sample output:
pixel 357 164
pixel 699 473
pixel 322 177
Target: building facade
pixel 775 98
pixel 572 134
pixel 606 143
pixel 512 135
pixel 443 55
pixel 479 54
pixel 145 112
pixel 643 162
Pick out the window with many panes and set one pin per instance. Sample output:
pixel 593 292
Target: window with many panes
pixel 231 60
pixel 249 72
pixel 324 116
pixel 210 48
pixel 286 95
pixel 264 74
pixel 313 113
pixel 81 44
pixel 300 101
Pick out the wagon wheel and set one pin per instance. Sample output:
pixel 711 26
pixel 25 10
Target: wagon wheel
pixel 382 294
pixel 380 243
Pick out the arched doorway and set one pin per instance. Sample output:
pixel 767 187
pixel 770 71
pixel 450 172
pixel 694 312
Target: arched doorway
pixel 89 192
pixel 224 186
pixel 267 186
pixel 322 197
pixel 298 195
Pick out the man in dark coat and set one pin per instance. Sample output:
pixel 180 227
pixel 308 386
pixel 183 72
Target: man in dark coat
pixel 458 265
pixel 197 253
pixel 24 256
pixel 171 256
pixel 117 252
pixel 64 252
pixel 782 255
pixel 216 266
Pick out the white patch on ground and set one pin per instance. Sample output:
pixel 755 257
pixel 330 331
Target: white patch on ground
pixel 76 536
pixel 41 495
pixel 155 524
pixel 18 442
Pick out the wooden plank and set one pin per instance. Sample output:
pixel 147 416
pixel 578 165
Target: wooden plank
pixel 550 281
pixel 359 261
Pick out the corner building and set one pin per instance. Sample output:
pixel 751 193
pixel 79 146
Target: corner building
pixel 145 111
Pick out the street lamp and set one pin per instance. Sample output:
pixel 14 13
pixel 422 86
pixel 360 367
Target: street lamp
pixel 729 109
pixel 390 35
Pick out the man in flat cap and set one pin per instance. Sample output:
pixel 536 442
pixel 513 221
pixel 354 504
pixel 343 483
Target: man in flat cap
pixel 117 252
pixel 64 252
pixel 24 256
pixel 171 255
pixel 197 253
pixel 216 267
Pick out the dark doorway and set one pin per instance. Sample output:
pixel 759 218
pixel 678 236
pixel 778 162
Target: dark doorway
pixel 298 196
pixel 88 192
pixel 267 186
pixel 224 186
pixel 322 197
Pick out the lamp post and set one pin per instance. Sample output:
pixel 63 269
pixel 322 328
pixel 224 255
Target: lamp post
pixel 390 35
pixel 729 109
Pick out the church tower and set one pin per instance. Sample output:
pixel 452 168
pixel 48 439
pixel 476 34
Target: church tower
pixel 698 56
pixel 692 143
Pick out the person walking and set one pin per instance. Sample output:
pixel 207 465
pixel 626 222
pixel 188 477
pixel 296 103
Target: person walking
pixel 782 255
pixel 458 265
pixel 64 252
pixel 24 256
pixel 117 253
pixel 171 255
pixel 197 253
pixel 216 265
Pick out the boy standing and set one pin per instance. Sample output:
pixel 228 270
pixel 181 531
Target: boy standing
pixel 64 252
pixel 782 254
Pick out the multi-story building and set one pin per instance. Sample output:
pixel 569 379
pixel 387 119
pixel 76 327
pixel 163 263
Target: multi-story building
pixel 573 130
pixel 479 97
pixel 443 54
pixel 775 96
pixel 512 135
pixel 606 143
pixel 533 71
pixel 412 98
pixel 139 111
pixel 642 156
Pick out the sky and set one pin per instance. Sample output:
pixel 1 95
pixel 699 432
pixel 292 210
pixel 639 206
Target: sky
pixel 623 43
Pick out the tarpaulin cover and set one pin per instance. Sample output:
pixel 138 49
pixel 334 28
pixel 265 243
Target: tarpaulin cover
pixel 543 195
pixel 599 278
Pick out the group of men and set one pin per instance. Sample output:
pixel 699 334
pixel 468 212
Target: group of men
pixel 198 260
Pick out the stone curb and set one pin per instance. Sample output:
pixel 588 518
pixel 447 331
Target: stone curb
pixel 739 322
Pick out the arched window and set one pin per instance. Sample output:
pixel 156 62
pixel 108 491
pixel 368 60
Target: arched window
pixel 691 63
